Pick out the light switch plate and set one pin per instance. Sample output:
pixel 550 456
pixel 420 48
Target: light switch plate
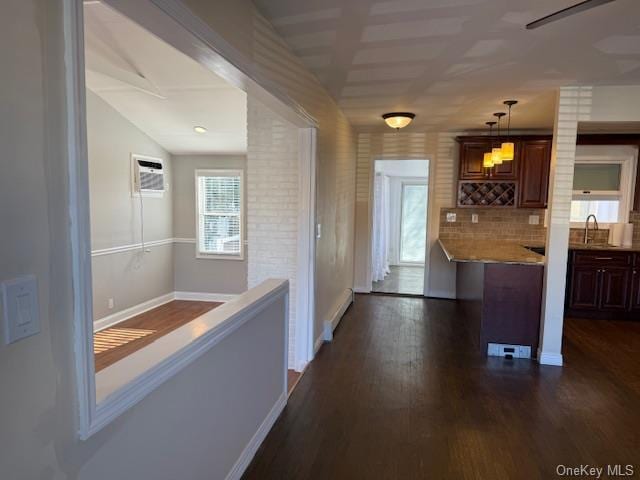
pixel 20 308
pixel 534 219
pixel 474 218
pixel 451 217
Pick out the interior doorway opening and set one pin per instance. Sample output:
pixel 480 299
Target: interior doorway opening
pixel 400 206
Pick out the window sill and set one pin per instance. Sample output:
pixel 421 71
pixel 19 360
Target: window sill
pixel 126 382
pixel 218 256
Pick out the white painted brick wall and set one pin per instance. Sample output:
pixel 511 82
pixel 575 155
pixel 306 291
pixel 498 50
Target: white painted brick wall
pixel 574 105
pixel 272 203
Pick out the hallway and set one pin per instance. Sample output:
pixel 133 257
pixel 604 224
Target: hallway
pixel 407 280
pixel 403 393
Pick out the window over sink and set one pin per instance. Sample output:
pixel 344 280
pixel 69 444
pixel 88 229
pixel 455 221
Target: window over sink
pixel 603 183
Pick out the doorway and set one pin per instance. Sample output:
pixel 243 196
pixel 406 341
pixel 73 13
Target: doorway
pixel 399 226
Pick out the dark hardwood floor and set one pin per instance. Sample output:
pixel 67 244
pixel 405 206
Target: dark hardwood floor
pixel 114 343
pixel 404 393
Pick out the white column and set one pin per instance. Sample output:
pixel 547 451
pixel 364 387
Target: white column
pixel 574 105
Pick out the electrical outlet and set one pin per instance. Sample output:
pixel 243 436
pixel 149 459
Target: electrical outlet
pixel 534 219
pixel 110 303
pixel 474 218
pixel 451 217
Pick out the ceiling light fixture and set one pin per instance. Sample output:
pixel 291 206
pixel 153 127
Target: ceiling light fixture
pixel 496 152
pixel 199 129
pixel 398 120
pixel 508 147
pixel 487 160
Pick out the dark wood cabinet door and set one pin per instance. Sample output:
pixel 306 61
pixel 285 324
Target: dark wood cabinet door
pixel 585 287
pixel 616 286
pixel 507 171
pixel 635 290
pixel 471 156
pixel 534 163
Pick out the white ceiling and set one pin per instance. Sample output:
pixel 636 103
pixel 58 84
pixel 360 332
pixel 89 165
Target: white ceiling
pixel 160 90
pixel 453 62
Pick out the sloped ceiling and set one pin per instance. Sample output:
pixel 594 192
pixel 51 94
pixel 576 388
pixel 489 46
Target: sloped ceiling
pixel 453 62
pixel 161 91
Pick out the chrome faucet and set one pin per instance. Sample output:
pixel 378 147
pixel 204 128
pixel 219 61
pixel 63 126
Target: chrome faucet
pixel 586 228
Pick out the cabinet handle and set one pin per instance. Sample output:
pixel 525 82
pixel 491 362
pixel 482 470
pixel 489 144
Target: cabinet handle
pixel 604 258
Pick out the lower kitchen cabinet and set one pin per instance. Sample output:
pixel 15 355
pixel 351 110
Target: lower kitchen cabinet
pixel 602 283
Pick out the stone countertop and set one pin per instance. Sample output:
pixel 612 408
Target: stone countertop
pixel 489 252
pixel 590 246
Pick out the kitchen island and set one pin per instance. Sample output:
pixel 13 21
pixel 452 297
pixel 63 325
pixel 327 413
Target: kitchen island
pixel 501 282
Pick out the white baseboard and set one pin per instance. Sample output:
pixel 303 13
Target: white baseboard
pixel 118 317
pixel 204 297
pixel 252 447
pixel 331 324
pixel 546 358
pixel 361 290
pixel 318 343
pixel 127 313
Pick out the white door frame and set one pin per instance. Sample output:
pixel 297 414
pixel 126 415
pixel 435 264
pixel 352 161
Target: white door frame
pixel 174 23
pixel 430 199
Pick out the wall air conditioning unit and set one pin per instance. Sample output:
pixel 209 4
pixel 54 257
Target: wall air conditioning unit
pixel 148 176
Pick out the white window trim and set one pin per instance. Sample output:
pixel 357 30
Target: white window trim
pixel 404 181
pixel 623 156
pixel 215 172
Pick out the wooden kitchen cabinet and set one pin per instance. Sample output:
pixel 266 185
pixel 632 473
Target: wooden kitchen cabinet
pixel 635 286
pixel 471 156
pixel 602 282
pixel 534 163
pixel 616 287
pixel 529 169
pixel 584 287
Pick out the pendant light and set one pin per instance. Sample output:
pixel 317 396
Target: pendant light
pixel 487 160
pixel 496 152
pixel 398 120
pixel 508 147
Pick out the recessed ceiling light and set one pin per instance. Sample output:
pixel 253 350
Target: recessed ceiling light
pixel 199 129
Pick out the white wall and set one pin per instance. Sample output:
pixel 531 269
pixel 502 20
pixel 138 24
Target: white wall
pixel 193 274
pixel 131 277
pixel 441 151
pixel 193 427
pixel 250 33
pixel 273 200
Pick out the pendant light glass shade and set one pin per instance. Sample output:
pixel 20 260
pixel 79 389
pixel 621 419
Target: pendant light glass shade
pixel 507 151
pixel 487 161
pixel 398 120
pixel 496 156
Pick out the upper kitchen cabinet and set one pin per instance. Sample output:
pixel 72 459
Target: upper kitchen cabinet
pixel 471 155
pixel 534 162
pixel 528 171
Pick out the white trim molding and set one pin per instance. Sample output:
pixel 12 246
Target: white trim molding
pixel 317 345
pixel 125 383
pixel 110 320
pixel 138 246
pixel 205 297
pixel 122 315
pixel 547 358
pixel 331 324
pixel 250 450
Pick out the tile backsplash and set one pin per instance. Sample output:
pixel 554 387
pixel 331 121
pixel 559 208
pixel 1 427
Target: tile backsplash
pixel 512 224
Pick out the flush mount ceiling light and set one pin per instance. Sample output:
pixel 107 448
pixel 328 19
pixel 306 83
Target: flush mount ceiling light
pixel 398 120
pixel 199 129
pixel 508 147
